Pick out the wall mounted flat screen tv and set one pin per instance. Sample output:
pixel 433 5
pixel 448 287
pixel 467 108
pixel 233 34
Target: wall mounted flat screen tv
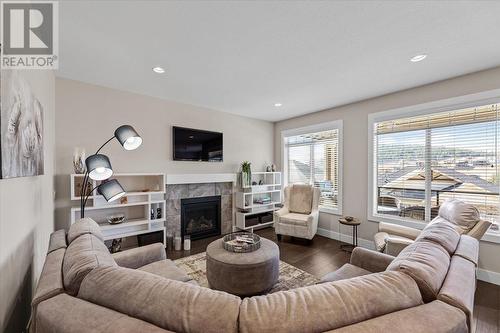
pixel 196 145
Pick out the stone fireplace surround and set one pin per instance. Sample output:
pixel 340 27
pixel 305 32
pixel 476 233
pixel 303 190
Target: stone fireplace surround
pixel 176 192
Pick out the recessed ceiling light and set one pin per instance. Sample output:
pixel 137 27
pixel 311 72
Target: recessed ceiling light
pixel 418 57
pixel 158 70
pixel 277 105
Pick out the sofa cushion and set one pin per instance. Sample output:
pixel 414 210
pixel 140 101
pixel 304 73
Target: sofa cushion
pixel 468 248
pixel 327 306
pixel 347 271
pixel 295 219
pixel 82 227
pixel 66 314
pixel 463 215
pixel 427 263
pixel 167 269
pixel 172 305
pixel 57 240
pixel 442 232
pixel 301 197
pixel 83 255
pixel 439 317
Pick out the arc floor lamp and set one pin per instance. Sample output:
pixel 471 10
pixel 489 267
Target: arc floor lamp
pixel 99 168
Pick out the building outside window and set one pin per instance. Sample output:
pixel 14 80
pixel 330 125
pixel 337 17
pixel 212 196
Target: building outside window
pixel 314 157
pixel 421 161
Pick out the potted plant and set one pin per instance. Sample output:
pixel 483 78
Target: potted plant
pixel 246 174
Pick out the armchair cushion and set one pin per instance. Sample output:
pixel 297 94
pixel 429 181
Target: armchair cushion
pixel 295 219
pixel 398 230
pixel 301 198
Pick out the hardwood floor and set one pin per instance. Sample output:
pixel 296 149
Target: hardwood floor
pixel 323 255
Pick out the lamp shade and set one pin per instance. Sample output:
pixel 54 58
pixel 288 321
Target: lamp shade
pixel 99 167
pixel 111 190
pixel 128 137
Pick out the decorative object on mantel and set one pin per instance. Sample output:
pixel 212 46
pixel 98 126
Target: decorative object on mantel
pixel 116 219
pixel 241 242
pixel 99 167
pixel 187 242
pixel 177 242
pixel 246 174
pixel 79 160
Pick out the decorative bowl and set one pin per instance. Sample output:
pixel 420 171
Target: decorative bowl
pixel 241 242
pixel 116 219
pixel 349 218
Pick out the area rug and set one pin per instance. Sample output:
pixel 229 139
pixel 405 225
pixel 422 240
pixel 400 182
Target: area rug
pixel 290 277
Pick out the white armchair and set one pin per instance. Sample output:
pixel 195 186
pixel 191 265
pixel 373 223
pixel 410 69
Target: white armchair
pixel 299 215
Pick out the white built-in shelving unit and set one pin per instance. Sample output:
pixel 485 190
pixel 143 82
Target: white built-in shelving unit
pixel 145 192
pixel 256 203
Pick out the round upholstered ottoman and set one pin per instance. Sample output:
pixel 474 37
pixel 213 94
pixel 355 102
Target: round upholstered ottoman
pixel 243 274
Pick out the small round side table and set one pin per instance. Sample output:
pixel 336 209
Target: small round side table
pixel 354 224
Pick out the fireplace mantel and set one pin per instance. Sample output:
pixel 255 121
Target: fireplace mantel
pixel 197 178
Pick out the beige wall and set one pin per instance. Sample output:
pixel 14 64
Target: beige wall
pixel 87 115
pixel 26 220
pixel 355 122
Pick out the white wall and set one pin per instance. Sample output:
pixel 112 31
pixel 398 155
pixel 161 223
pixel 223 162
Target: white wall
pixel 26 219
pixel 355 122
pixel 87 115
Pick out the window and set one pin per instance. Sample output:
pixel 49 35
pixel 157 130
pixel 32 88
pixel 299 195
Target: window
pixel 312 157
pixel 421 161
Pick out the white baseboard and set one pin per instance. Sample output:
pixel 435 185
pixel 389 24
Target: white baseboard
pixel 482 274
pixel 488 276
pixel 346 238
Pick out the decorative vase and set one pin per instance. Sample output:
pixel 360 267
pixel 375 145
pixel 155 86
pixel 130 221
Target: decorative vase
pixel 246 179
pixel 79 160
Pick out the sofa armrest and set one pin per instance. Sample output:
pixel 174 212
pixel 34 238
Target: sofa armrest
pixel 372 261
pixel 479 229
pixel 394 245
pixel 140 256
pixel 398 230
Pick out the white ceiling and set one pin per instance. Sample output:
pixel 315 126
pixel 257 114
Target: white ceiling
pixel 242 57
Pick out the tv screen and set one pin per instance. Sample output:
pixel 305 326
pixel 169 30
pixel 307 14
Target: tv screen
pixel 196 145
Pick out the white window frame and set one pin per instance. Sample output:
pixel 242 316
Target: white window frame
pixel 327 126
pixel 456 103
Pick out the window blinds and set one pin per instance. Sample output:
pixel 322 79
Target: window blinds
pixel 422 161
pixel 313 159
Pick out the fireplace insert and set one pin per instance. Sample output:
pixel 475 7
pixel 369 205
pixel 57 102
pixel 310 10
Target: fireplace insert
pixel 201 217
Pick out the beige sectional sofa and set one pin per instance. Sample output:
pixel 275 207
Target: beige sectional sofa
pixel 429 287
